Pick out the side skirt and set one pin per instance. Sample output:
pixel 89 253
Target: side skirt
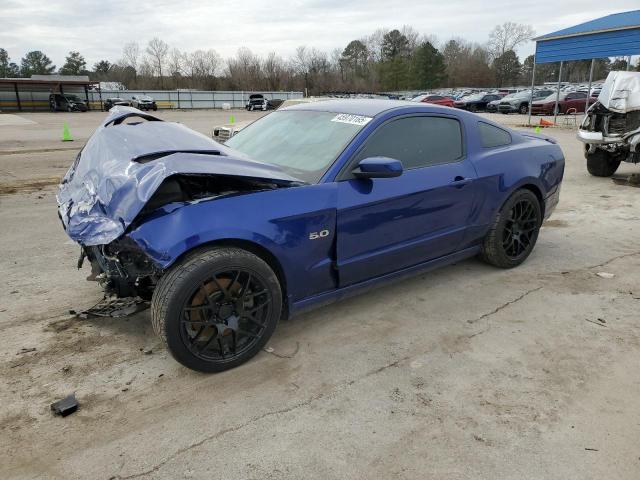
pixel 362 287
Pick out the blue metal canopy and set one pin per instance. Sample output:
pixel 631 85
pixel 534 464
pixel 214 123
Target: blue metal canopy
pixel 615 35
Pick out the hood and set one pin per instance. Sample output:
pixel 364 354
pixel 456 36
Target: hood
pixel 123 164
pixel 621 92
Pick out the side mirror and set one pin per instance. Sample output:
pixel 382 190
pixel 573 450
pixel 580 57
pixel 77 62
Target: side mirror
pixel 378 167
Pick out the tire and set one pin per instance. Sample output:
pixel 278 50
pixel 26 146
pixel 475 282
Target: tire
pixel 69 109
pixel 188 293
pixel 524 109
pixel 473 108
pixel 601 163
pixel 508 243
pixel 155 108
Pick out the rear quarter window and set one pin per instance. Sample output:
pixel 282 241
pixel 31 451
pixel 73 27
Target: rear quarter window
pixel 491 136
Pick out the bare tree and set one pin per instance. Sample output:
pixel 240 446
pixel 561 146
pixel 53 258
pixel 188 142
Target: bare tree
pixel 131 55
pixel 507 37
pixel 244 70
pixel 274 70
pixel 176 65
pixel 157 49
pixel 413 36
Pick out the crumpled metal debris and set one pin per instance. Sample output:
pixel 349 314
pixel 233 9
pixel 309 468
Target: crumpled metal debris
pixel 115 308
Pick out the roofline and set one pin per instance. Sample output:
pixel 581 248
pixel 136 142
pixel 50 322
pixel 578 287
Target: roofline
pixel 550 36
pixel 28 81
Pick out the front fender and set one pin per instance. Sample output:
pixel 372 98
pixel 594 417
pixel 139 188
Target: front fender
pixel 280 221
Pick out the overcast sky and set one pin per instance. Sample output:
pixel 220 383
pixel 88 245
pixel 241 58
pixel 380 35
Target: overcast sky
pixel 99 29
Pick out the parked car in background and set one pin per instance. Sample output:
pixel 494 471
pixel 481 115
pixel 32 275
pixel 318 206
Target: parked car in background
pixel 611 129
pixel 574 101
pixel 303 207
pixel 257 102
pixel 113 101
pixel 476 102
pixel 222 133
pixel 443 100
pixel 67 103
pixel 143 102
pixel 519 102
pixel 492 106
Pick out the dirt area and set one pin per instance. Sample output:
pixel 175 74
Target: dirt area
pixel 466 372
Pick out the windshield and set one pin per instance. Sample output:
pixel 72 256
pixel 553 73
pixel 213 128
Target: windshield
pixel 303 143
pixel 474 97
pixel 73 98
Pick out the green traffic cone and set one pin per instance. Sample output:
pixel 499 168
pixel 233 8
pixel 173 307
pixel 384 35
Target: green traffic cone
pixel 66 136
pixel 232 120
pixel 537 129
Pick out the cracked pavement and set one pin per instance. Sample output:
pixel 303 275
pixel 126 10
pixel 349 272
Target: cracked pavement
pixel 462 373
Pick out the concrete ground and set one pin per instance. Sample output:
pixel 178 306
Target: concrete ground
pixel 468 372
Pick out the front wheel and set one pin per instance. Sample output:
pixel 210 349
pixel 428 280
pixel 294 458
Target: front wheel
pixel 217 308
pixel 514 231
pixel 601 163
pixel 524 109
pixel 473 108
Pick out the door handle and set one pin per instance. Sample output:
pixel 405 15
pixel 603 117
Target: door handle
pixel 460 182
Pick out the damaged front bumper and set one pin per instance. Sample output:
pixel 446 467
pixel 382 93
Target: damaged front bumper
pixel 122 268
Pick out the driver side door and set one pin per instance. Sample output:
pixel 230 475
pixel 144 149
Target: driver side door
pixel 387 224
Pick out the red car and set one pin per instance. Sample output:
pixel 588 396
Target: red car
pixel 438 100
pixel 566 101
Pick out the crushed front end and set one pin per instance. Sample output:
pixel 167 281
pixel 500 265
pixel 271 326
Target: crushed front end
pixel 134 167
pixel 611 126
pixel 121 268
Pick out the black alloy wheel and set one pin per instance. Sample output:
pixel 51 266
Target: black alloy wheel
pixel 225 316
pixel 520 228
pixel 514 231
pixel 217 308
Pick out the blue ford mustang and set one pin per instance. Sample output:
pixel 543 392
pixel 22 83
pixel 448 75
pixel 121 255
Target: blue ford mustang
pixel 305 206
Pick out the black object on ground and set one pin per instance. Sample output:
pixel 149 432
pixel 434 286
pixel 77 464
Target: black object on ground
pixel 66 406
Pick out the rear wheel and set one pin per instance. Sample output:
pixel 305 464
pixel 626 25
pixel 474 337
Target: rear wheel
pixel 217 308
pixel 601 163
pixel 514 231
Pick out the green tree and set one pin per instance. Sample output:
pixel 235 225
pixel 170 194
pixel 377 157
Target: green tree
pixel 74 64
pixel 36 63
pixel 394 68
pixel 354 58
pixel 102 67
pixel 8 69
pixel 619 64
pixel 394 44
pixel 507 68
pixel 428 68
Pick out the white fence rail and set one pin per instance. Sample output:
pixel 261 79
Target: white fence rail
pixel 191 98
pixel 36 98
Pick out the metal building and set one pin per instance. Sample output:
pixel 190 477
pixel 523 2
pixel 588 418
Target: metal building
pixel 33 93
pixel 616 35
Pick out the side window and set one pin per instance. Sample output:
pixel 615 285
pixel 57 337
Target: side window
pixel 416 141
pixel 491 136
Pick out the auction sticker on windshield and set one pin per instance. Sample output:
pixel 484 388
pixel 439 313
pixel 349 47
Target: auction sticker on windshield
pixel 351 119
